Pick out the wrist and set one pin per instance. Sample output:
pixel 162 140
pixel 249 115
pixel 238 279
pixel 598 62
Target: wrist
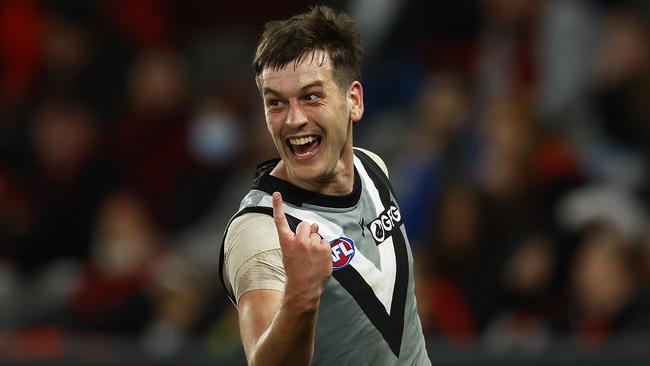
pixel 301 301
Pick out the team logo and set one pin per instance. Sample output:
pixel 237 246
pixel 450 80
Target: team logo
pixel 382 227
pixel 342 252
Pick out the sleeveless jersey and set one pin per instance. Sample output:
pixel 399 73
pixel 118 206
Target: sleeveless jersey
pixel 367 313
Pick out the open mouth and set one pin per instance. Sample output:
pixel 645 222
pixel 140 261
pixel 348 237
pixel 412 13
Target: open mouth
pixel 304 147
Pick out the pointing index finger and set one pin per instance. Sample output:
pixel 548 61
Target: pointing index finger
pixel 281 224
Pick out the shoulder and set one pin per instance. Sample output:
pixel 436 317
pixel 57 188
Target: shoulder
pixel 252 255
pixel 374 158
pixel 250 219
pixel 250 234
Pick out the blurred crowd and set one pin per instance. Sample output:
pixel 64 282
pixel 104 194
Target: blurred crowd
pixel 516 132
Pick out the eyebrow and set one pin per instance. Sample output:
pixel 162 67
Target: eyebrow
pixel 267 90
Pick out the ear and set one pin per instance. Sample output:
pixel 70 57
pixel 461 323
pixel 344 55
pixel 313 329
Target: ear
pixel 355 101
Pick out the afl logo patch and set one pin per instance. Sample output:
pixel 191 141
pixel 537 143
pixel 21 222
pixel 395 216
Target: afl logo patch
pixel 342 252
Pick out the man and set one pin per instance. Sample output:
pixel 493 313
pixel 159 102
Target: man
pixel 317 260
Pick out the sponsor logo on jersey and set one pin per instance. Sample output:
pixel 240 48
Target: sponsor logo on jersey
pixel 383 226
pixel 342 252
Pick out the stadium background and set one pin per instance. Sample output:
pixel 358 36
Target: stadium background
pixel 517 134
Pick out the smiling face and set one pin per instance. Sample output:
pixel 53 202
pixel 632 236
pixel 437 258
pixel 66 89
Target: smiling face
pixel 310 118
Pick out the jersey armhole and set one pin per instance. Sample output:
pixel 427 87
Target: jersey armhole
pixel 375 159
pixel 291 220
pixel 369 163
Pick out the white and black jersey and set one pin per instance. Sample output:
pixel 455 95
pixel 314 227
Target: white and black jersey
pixel 367 313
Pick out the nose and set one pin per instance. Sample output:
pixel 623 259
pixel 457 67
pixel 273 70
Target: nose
pixel 296 116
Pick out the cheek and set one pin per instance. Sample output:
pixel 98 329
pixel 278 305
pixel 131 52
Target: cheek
pixel 273 124
pixel 339 122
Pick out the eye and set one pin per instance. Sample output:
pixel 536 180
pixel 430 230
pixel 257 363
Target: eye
pixel 312 97
pixel 274 103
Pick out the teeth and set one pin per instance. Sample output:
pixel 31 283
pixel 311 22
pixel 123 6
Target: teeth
pixel 302 140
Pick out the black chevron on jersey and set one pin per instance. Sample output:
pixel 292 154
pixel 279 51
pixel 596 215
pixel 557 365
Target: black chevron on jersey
pixel 391 326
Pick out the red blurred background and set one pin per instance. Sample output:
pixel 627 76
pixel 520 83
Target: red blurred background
pixel 516 132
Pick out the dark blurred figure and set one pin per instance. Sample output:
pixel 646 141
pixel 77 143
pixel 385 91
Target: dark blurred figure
pixel 509 138
pixel 436 150
pixel 522 173
pixel 506 54
pixel 645 260
pixel 22 25
pixel 448 289
pixel 623 88
pixel 84 56
pixel 149 143
pixel 126 246
pixel 60 188
pixel 608 301
pixel 135 285
pixel 620 97
pixel 529 311
pixel 182 312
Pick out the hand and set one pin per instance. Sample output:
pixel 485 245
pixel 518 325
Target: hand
pixel 306 256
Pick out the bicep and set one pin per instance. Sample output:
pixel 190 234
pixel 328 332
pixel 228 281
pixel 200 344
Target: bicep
pixel 257 308
pixel 253 258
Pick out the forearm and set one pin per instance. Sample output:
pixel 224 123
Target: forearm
pixel 281 331
pixel 289 339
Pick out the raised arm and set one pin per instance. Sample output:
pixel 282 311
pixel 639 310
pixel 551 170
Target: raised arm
pixel 279 328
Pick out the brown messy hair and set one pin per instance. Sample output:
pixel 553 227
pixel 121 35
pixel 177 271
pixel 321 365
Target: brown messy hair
pixel 319 29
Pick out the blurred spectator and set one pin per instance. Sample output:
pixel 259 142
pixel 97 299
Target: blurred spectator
pixel 613 206
pixel 149 142
pixel 113 295
pixel 621 97
pixel 451 290
pixel 645 260
pixel 83 57
pixel 608 301
pixel 144 23
pixel 182 295
pixel 134 284
pixel 435 147
pixel 526 321
pixel 21 37
pixel 566 44
pixel 215 142
pixel 61 184
pixel 507 61
pixel 510 137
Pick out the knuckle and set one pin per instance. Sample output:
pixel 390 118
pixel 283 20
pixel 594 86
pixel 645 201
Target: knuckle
pixel 298 242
